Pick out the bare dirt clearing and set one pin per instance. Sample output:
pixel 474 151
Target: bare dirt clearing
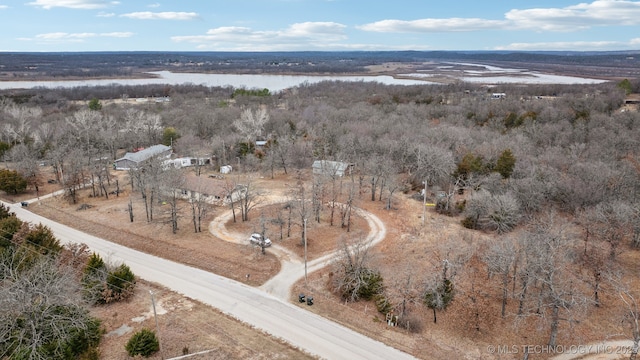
pixel 186 326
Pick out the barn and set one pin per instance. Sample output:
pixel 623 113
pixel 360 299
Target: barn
pixel 133 160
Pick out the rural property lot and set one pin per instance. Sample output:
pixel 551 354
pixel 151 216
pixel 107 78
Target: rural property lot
pixel 454 336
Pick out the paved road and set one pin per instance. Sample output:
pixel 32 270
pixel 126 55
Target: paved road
pixel 299 327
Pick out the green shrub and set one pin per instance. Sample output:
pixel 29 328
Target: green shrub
pixel 9 226
pixel 144 343
pixel 95 265
pixel 382 304
pixel 93 279
pixel 85 340
pixel 120 284
pixel 372 285
pixel 440 297
pixel 12 182
pixel 42 239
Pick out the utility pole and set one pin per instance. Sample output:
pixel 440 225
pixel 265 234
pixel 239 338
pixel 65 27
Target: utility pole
pixel 424 203
pixel 155 316
pixel 305 251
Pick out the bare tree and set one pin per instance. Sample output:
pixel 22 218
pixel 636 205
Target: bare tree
pixel 230 187
pixel 251 124
pixel 495 212
pixel 171 186
pixel 146 177
pixel 280 151
pixel 279 222
pixel 300 198
pixel 335 194
pixel 432 164
pixel 317 195
pixel 20 129
pixel 500 259
pixel 354 276
pixel 143 128
pixel 449 256
pixel 199 209
pixel 347 208
pixel 631 315
pixel 375 172
pixel 438 290
pixel 41 308
pixel 505 213
pixel 73 177
pixel 393 183
pixel 404 289
pixel 557 294
pixel 27 164
pixel 250 197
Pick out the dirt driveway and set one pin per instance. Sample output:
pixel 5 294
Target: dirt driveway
pixel 291 265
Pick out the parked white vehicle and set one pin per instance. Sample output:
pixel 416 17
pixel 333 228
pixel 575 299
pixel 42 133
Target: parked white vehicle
pixel 258 240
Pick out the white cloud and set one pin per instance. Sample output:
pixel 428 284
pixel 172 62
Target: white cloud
pixel 2 7
pixel 155 5
pixel 571 18
pixel 312 28
pixel 105 15
pixel 148 15
pixel 296 36
pixel 122 34
pixel 75 37
pixel 73 4
pixel 433 25
pixel 578 17
pixel 568 46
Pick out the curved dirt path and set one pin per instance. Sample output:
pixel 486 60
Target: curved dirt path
pixel 292 266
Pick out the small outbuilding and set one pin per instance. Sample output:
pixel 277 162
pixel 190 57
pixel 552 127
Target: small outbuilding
pixel 330 168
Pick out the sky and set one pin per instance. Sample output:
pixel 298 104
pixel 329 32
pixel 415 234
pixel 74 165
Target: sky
pixel 318 25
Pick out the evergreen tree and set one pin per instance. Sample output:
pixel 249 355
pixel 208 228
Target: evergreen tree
pixel 11 181
pixel 505 164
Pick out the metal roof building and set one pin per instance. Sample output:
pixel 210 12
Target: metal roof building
pixel 133 160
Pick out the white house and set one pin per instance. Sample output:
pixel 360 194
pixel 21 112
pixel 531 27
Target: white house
pixel 211 191
pixel 185 162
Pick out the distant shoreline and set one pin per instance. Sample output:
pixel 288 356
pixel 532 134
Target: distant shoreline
pixel 137 65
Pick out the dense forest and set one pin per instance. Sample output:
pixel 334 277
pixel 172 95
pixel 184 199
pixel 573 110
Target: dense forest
pixel 535 161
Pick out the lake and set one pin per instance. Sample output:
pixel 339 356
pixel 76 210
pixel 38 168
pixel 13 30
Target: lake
pixel 276 83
